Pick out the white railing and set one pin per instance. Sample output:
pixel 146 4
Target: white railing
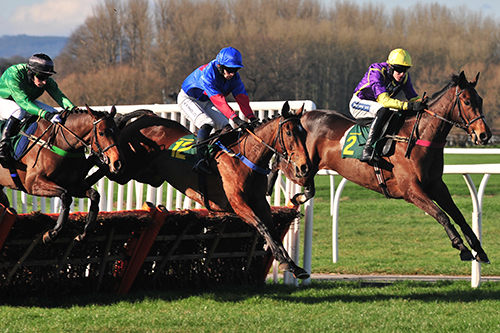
pixel 133 194
pixel 466 170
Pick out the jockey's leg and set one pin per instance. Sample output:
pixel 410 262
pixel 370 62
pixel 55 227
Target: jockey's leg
pixel 369 153
pixel 7 133
pixel 202 165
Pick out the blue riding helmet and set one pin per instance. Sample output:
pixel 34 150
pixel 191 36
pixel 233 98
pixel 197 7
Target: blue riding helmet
pixel 229 57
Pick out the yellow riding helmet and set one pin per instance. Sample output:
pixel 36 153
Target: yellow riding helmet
pixel 399 57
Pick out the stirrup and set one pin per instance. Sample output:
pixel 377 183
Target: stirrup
pixel 367 154
pixel 370 156
pixel 202 167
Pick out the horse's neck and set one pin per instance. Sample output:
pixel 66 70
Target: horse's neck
pixel 257 151
pixel 80 125
pixel 431 128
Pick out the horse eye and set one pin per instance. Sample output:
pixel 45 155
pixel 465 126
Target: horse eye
pixel 467 102
pixel 289 133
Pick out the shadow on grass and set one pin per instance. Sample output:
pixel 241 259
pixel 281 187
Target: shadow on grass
pixel 317 292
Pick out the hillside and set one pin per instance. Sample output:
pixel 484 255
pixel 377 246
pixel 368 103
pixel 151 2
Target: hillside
pixel 25 46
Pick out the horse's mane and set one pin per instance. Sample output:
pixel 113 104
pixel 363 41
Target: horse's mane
pixel 122 120
pixel 454 80
pixel 101 114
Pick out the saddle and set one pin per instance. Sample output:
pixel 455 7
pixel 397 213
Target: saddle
pixel 356 136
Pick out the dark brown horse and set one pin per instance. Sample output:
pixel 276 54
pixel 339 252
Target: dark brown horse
pixel 55 164
pixel 417 178
pixel 155 154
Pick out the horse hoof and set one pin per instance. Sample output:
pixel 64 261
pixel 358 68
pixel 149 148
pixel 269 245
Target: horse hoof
pixel 79 238
pixel 466 255
pixel 301 273
pixel 49 236
pixel 482 258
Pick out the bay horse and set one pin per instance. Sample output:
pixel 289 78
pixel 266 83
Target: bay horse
pixel 55 164
pixel 418 178
pixel 233 186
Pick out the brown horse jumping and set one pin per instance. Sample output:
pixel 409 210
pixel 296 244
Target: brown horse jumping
pixel 56 166
pixel 233 186
pixel 417 178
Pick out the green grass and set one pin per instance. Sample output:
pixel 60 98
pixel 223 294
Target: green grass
pixel 321 307
pixel 378 235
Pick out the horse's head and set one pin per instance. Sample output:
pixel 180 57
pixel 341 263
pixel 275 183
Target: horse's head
pixel 104 140
pixel 468 110
pixel 292 137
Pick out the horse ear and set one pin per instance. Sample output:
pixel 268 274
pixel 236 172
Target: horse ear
pixel 462 80
pixel 300 112
pixel 113 111
pixel 285 110
pixel 91 112
pixel 474 83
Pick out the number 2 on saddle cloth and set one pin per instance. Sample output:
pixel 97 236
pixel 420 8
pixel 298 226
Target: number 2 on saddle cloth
pixel 355 137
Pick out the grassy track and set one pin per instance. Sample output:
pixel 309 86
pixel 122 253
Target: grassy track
pixel 322 307
pixel 378 235
pixel 375 234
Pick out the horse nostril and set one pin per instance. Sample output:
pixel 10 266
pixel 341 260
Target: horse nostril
pixel 302 170
pixel 117 166
pixel 483 137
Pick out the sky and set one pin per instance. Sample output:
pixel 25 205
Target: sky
pixel 62 17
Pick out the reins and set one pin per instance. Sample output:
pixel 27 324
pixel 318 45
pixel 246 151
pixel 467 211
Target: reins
pixel 87 147
pixel 465 123
pixel 271 147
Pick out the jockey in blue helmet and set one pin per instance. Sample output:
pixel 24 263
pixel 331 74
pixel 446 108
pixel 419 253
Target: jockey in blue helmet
pixel 202 98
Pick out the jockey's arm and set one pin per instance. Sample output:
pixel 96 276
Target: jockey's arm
pixel 393 103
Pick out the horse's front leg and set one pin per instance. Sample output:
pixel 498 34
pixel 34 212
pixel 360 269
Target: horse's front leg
pixel 309 192
pixel 442 196
pixel 41 186
pixel 419 198
pixel 261 219
pixel 66 201
pixel 94 197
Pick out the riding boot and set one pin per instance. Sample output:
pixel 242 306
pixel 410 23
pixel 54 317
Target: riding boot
pixel 7 133
pixel 369 154
pixel 202 166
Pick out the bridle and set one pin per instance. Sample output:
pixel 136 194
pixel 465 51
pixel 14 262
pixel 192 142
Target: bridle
pixel 100 152
pixel 465 124
pixel 285 156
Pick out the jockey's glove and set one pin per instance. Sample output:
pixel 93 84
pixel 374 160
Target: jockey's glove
pixel 53 117
pixel 254 122
pixel 240 123
pixel 417 106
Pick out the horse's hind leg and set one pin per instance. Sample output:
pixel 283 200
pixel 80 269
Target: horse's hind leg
pixel 94 197
pixel 420 199
pixel 61 220
pixel 444 200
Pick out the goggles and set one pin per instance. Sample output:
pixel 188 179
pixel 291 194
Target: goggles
pixel 400 69
pixel 231 70
pixel 42 76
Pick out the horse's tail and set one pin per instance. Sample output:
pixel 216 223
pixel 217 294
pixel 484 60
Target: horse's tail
pixel 123 119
